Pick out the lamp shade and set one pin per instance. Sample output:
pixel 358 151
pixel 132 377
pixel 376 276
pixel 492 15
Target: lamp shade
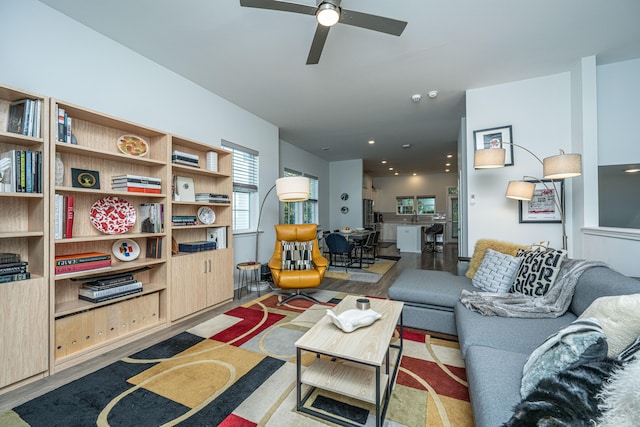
pixel 520 190
pixel 562 166
pixel 489 158
pixel 292 188
pixel 328 14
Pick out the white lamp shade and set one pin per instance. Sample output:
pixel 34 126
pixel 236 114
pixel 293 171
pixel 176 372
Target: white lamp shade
pixel 327 14
pixel 520 190
pixel 562 166
pixel 489 158
pixel 292 188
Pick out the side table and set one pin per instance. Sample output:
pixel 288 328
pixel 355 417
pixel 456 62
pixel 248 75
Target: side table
pixel 249 272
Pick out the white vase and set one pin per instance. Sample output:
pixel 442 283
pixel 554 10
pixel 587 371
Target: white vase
pixel 59 170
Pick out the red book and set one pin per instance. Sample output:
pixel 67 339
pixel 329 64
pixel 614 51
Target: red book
pixel 82 267
pixel 69 216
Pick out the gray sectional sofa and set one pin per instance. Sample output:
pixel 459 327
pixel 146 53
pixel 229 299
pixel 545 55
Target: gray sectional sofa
pixel 494 349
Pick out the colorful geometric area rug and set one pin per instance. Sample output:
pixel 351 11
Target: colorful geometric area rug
pixel 238 370
pixel 371 273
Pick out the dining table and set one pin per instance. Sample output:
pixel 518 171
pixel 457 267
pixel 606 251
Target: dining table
pixel 359 238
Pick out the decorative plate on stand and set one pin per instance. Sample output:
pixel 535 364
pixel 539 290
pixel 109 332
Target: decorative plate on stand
pixel 125 249
pixel 133 145
pixel 206 215
pixel 112 215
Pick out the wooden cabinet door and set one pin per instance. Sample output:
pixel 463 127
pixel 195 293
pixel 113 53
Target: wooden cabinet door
pixel 189 275
pixel 220 280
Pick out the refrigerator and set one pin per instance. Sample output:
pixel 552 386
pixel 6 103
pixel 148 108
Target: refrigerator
pixel 367 213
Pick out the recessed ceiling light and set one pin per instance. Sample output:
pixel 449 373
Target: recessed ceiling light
pixel 414 174
pixel 406 145
pixel 383 162
pixel 327 148
pixel 632 170
pixel 391 168
pixel 371 142
pixel 447 164
pixel 446 170
pixel 449 156
pixel 396 173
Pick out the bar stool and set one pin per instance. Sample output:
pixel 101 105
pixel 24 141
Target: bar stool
pixel 249 273
pixel 431 237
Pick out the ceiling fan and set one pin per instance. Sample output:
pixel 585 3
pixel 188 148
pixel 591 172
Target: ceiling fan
pixel 328 13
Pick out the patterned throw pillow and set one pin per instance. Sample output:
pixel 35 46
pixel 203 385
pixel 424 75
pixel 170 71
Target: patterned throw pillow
pixel 538 271
pixel 297 255
pixel 496 272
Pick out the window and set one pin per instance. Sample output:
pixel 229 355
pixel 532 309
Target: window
pixel 245 184
pixel 302 212
pixel 404 205
pixel 426 205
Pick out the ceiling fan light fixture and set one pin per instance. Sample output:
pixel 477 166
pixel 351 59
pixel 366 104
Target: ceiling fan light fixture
pixel 328 14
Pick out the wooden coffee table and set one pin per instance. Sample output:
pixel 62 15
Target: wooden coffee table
pixel 355 360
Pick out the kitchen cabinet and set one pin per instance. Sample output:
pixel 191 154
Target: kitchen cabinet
pixel 389 232
pixel 409 238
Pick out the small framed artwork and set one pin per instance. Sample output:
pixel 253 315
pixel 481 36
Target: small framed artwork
pixel 545 205
pixel 495 138
pixel 83 178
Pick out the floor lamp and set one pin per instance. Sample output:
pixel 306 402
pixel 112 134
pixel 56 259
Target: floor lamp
pixel 554 167
pixel 288 189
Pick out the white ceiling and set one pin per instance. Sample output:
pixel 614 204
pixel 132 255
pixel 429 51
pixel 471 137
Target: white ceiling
pixel 362 87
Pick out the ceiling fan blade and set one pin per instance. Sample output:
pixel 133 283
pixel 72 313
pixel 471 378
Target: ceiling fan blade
pixel 372 22
pixel 280 5
pixel 318 43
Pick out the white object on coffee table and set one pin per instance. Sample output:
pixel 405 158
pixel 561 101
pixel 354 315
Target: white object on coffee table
pixel 353 319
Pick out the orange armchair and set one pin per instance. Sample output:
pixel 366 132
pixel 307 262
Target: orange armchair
pixel 295 266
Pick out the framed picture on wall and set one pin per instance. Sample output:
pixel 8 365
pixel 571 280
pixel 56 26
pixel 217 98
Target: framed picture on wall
pixel 546 203
pixel 495 138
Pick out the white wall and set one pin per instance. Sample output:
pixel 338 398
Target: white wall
pixel 346 177
pixel 539 110
pixel 48 53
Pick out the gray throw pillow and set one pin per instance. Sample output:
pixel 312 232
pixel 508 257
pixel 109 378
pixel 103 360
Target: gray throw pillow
pixel 496 272
pixel 580 342
pixel 538 271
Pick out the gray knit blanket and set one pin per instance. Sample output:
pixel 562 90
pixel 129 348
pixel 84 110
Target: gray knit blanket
pixel 553 304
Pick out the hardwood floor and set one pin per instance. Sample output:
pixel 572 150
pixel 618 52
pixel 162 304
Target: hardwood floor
pixel 445 261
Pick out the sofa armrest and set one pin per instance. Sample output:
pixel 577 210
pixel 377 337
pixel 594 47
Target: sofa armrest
pixel 463 265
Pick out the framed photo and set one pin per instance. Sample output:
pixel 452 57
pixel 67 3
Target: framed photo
pixel 495 138
pixel 83 178
pixel 542 207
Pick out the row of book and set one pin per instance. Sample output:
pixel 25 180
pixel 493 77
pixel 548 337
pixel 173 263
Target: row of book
pixel 107 288
pixel 136 184
pixel 182 158
pixel 212 198
pixel 63 131
pixel 81 262
pixel 200 246
pixel 63 216
pixel 12 268
pixel 25 117
pixel 21 171
pixel 178 220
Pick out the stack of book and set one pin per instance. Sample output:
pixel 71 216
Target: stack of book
pixel 106 288
pixel 63 131
pixel 63 214
pixel 196 246
pixel 24 117
pixel 82 262
pixel 12 269
pixel 21 171
pixel 212 198
pixel 151 218
pixel 178 220
pixel 136 184
pixel 182 158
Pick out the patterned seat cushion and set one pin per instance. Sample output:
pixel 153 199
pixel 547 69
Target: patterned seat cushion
pixel 297 255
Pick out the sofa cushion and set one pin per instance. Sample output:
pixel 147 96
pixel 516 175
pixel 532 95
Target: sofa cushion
pixel 620 319
pixel 297 255
pixel 538 271
pixel 516 334
pixel 580 342
pixel 480 250
pixel 600 282
pixel 496 272
pixel 436 288
pixel 494 389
